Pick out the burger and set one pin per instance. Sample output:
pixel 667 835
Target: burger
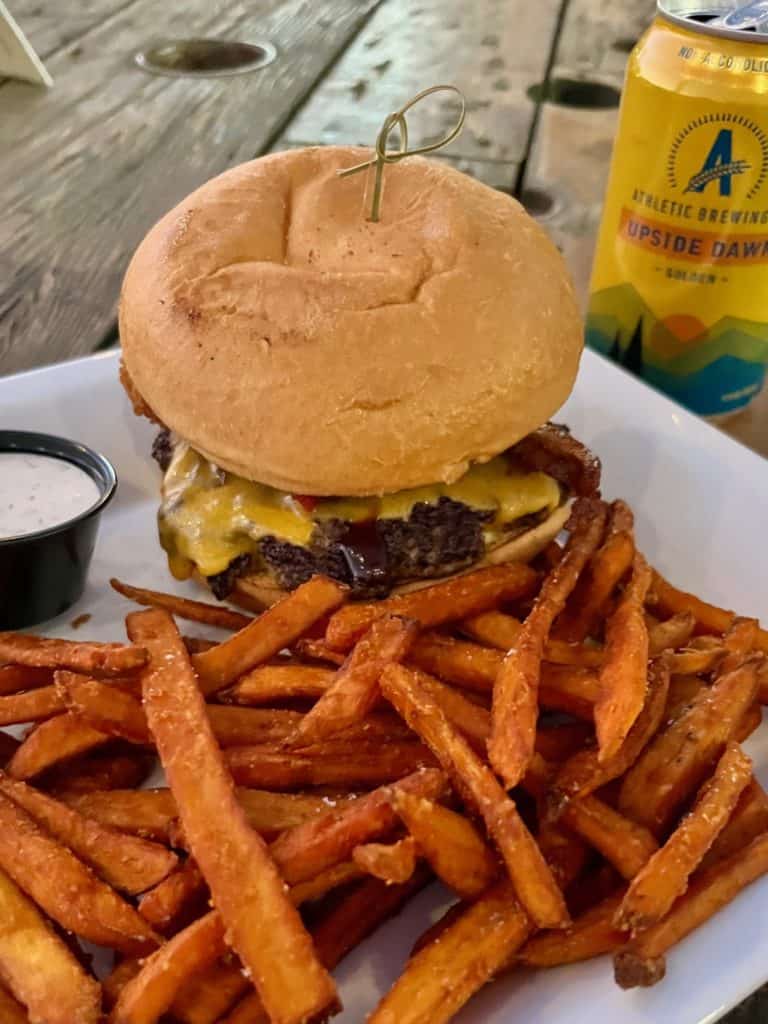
pixel 366 400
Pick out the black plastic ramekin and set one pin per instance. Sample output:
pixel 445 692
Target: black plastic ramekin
pixel 42 574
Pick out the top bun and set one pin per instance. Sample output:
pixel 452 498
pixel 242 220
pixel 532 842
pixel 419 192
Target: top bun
pixel 291 341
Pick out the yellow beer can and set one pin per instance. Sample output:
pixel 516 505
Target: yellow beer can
pixel 679 289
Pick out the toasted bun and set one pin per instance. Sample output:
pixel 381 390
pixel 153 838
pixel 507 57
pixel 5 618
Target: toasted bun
pixel 295 343
pixel 260 590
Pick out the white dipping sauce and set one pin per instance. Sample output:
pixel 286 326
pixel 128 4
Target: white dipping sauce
pixel 40 491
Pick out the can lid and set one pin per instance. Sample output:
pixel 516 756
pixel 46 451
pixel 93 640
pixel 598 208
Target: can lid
pixel 728 19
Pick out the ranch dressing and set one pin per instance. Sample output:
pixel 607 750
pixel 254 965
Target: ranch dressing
pixel 38 492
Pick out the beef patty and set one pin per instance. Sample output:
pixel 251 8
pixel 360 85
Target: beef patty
pixel 371 557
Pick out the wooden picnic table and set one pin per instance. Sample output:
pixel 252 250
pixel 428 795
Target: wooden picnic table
pixel 88 166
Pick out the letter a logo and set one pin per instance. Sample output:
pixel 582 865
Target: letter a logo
pixel 719 165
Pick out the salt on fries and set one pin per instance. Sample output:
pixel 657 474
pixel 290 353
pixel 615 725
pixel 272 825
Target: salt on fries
pixel 343 755
pixel 515 692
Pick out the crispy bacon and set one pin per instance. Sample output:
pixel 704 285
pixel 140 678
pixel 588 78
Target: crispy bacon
pixel 551 449
pixel 140 407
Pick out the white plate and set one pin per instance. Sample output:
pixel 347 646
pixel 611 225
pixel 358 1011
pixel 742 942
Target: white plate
pixel 700 501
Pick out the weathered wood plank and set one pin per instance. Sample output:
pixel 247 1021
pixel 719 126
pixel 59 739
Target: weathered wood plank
pixel 571 150
pixel 78 201
pixel 52 26
pixel 493 55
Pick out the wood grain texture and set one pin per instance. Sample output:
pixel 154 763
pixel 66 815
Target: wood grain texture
pixel 493 55
pixel 122 147
pixel 49 26
pixel 571 150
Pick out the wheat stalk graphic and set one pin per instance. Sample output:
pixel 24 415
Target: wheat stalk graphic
pixel 704 177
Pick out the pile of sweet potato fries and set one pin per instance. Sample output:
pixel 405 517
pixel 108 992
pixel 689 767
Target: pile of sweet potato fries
pixel 558 743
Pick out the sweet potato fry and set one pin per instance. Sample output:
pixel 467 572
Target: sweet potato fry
pixel 197 644
pixel 172 898
pixel 317 650
pixel 112 767
pixel 566 853
pixel 573 690
pixel 748 820
pixel 583 773
pixel 264 929
pixel 391 862
pixel 592 934
pixel 65 888
pixel 671 633
pixel 449 842
pixel 146 812
pixel 331 878
pixel 682 691
pixel 691 661
pixel 80 656
pixel 642 962
pixel 119 714
pixel 183 608
pixel 623 843
pixel 332 763
pixel 677 761
pixel 11 1011
pixel 125 862
pixel 465 664
pixel 38 967
pixel 310 848
pixel 270 683
pixel 150 994
pixel 762 683
pixel 665 877
pixel 444 974
pixel 206 998
pixel 103 707
pixel 151 812
pixel 606 568
pixel 15 678
pixel 58 739
pixel 623 677
pixel 355 689
pixel 248 1011
pixel 235 727
pixel 502 631
pixel 449 601
pixel 114 983
pixel 472 721
pixel 359 912
pixel 709 618
pixel 751 720
pixel 32 706
pixel 536 887
pixel 515 693
pixel 276 628
pixel 738 641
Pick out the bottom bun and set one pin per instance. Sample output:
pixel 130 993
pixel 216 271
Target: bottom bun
pixel 260 590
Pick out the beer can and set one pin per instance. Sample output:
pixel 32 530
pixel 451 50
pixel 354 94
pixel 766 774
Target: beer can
pixel 679 289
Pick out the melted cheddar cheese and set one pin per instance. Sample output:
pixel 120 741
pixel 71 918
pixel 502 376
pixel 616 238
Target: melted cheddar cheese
pixel 209 517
